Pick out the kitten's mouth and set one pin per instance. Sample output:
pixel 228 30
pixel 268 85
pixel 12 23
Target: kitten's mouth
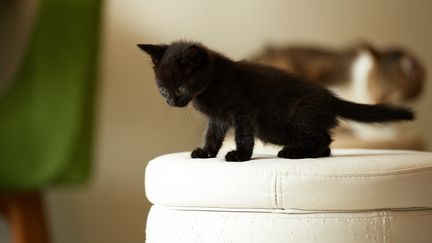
pixel 178 103
pixel 182 104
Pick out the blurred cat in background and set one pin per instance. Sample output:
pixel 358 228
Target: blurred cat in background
pixel 363 73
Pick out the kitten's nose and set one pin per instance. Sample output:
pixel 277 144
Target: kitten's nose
pixel 170 101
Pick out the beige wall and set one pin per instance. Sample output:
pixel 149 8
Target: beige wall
pixel 134 124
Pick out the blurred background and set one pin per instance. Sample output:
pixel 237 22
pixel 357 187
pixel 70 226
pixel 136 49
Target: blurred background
pixel 123 120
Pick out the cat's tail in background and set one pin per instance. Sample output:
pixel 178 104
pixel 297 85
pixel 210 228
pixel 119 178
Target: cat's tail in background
pixel 372 113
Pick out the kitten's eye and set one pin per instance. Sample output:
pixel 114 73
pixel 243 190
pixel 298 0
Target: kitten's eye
pixel 182 89
pixel 163 91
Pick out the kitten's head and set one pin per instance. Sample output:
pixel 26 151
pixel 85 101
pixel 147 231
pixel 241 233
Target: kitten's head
pixel 182 70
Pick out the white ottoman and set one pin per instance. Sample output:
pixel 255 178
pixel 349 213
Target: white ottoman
pixel 353 196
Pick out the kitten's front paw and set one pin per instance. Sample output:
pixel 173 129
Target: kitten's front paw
pixel 237 156
pixel 202 154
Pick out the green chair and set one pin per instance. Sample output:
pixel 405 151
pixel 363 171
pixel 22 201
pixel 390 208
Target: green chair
pixel 46 114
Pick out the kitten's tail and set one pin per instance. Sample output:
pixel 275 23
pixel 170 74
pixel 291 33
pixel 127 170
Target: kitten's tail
pixel 372 113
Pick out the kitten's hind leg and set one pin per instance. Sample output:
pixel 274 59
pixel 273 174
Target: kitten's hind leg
pixel 308 148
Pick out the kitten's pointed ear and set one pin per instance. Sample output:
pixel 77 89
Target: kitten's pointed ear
pixel 155 51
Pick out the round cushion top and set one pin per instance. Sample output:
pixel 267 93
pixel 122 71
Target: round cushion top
pixel 351 179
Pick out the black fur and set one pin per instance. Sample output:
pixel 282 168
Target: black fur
pixel 257 100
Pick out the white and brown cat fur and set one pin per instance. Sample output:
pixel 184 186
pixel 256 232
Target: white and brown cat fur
pixel 362 73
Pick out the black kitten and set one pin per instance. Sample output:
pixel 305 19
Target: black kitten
pixel 257 100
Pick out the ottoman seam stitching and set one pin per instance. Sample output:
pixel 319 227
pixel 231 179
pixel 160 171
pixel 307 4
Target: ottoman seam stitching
pixel 277 190
pixel 384 229
pixel 380 215
pixel 345 174
pixel 281 192
pixel 363 174
pixel 413 215
pixel 387 227
pixel 274 191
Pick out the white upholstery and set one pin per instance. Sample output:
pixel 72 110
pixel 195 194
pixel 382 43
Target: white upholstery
pixel 349 180
pixel 355 196
pixel 166 225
